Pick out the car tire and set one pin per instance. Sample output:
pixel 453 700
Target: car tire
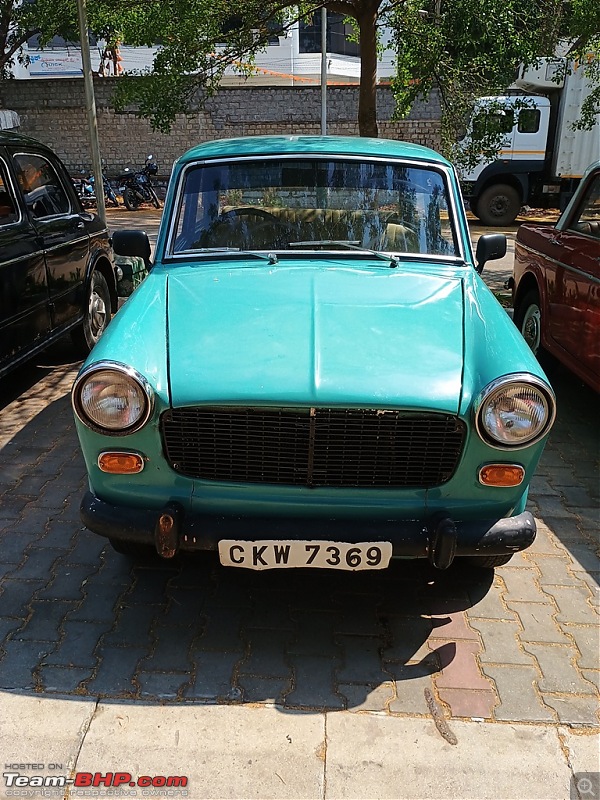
pixel 528 319
pixel 130 199
pixel 498 205
pixel 97 314
pixel 488 562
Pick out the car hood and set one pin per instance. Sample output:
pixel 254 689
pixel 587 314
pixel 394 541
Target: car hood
pixel 323 334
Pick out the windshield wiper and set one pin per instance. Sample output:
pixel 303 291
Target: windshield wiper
pixel 270 257
pixel 350 245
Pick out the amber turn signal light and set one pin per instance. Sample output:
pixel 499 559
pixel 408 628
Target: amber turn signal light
pixel 121 463
pixel 501 475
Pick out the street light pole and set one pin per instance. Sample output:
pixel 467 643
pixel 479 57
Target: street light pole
pixel 90 109
pixel 323 71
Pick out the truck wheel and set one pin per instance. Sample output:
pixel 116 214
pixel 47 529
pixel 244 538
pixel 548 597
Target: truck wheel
pixel 97 314
pixel 528 319
pixel 498 205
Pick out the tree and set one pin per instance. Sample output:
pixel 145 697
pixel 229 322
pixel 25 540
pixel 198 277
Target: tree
pixel 463 48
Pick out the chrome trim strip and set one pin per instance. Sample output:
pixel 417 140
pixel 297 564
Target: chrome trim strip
pixel 505 380
pixel 13 194
pixel 66 243
pixel 27 257
pixel 116 366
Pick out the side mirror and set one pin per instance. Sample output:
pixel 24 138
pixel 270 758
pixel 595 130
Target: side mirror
pixel 489 247
pixel 132 243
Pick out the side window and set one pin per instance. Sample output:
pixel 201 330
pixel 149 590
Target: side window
pixel 43 192
pixel 588 219
pixel 8 207
pixel 529 120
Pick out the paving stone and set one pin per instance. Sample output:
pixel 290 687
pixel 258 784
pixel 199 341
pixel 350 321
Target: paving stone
pixel 116 670
pixel 540 487
pixel 45 621
pixel 223 630
pixel 214 677
pixel 566 530
pixel 461 670
pixel 501 642
pixel 469 703
pixel 363 622
pixel 68 584
pixel 593 676
pixel 87 549
pixel 314 634
pixel 521 585
pixel 166 686
pixel 573 605
pixel 99 604
pixel 57 536
pixel 78 644
pixel 172 648
pixel 265 655
pixel 538 623
pixel 411 680
pixel 559 674
pixel 18 663
pixel 545 540
pixel 361 660
pixel 519 700
pixel 38 564
pixel 554 571
pixel 584 559
pixel 184 609
pixel 14 549
pixel 8 625
pixel 591 581
pixel 132 627
pixel 270 612
pixel 577 497
pixel 587 640
pixel 313 684
pixel 264 690
pixel 574 710
pixel 62 679
pixel 367 698
pixel 490 606
pixel 452 626
pixel 408 639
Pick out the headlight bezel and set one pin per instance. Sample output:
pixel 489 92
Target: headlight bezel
pixel 494 388
pixel 130 373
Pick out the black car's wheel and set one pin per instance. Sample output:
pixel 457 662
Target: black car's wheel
pixel 487 562
pixel 498 205
pixel 131 200
pixel 528 319
pixel 133 549
pixel 97 313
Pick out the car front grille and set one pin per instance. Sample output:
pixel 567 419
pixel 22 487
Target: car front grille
pixel 334 447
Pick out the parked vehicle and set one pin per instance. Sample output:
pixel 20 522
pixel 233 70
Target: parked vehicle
pixel 323 379
pixel 57 273
pixel 137 188
pixel 86 190
pixel 556 285
pixel 542 157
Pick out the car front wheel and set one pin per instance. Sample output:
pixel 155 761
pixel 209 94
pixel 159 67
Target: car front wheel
pixel 528 319
pixel 97 313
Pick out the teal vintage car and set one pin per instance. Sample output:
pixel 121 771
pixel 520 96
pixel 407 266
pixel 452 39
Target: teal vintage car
pixel 313 374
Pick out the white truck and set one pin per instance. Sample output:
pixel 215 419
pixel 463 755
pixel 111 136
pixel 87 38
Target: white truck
pixel 542 156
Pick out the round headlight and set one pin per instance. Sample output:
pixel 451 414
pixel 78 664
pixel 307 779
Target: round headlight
pixel 112 399
pixel 515 411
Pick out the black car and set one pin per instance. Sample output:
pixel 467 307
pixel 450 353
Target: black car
pixel 57 273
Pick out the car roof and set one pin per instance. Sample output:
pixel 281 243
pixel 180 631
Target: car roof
pixel 307 145
pixel 11 138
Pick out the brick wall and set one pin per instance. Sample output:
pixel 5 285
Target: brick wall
pixel 53 111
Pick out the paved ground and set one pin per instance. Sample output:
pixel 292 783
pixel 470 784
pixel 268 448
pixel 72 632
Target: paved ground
pixel 408 683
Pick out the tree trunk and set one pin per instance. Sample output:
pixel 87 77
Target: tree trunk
pixel 367 98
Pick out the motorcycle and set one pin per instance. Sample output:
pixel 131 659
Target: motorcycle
pixel 86 190
pixel 137 187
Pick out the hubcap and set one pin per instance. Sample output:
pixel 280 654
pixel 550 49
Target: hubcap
pixel 97 314
pixel 531 329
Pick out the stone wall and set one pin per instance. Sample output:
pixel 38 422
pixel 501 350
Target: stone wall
pixel 53 111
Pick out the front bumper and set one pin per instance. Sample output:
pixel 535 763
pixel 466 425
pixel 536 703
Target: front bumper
pixel 439 538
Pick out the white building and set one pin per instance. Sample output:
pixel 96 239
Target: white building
pixel 294 58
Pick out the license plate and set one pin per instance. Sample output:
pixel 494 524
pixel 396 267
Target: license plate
pixel 269 554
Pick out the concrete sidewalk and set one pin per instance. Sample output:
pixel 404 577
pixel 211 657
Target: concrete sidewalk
pixel 269 752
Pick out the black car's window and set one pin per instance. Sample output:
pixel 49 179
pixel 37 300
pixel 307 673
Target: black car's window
pixel 8 206
pixel 588 219
pixel 43 192
pixel 291 203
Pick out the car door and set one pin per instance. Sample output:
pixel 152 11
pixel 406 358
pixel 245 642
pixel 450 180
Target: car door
pixel 61 227
pixel 24 299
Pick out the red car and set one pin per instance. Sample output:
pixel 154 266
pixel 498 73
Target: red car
pixel 556 284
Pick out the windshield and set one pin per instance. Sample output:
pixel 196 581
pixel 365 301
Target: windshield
pixel 298 203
